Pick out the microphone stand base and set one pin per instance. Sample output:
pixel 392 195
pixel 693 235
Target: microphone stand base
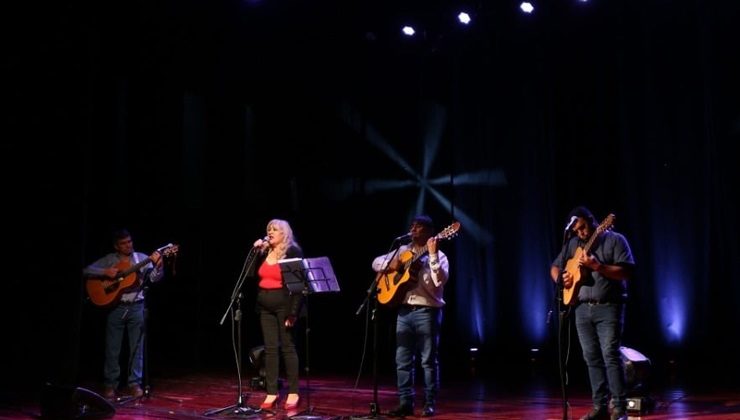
pixel 235 409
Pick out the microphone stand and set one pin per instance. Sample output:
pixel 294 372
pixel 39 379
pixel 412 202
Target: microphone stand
pixel 372 293
pixel 236 316
pixel 562 317
pixel 143 340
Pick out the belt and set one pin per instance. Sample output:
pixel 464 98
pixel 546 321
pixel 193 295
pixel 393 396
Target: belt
pixel 136 302
pixel 599 301
pixel 416 307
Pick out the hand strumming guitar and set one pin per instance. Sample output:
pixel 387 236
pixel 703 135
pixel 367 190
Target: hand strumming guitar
pixel 589 261
pixel 567 279
pixel 584 261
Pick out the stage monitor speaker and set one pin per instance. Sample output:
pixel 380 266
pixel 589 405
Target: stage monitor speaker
pixel 70 403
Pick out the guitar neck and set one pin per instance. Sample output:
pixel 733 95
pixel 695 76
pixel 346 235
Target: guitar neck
pixel 591 240
pixel 136 267
pixel 416 257
pixel 424 250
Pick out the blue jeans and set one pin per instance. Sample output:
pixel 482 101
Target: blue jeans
pixel 417 331
pixel 600 333
pixel 129 318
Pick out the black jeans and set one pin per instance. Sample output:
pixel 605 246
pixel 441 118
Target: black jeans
pixel 273 306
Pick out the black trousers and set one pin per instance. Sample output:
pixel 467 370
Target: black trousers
pixel 273 308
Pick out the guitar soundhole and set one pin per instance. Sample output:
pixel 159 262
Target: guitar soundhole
pixel 111 287
pixel 397 278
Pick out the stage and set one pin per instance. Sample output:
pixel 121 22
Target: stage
pixel 194 395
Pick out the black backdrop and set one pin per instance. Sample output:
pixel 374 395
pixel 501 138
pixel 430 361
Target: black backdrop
pixel 196 122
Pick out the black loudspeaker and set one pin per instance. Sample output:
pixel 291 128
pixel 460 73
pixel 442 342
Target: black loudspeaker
pixel 69 403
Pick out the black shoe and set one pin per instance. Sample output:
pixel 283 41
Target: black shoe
pixel 402 410
pixel 597 413
pixel 109 393
pixel 619 414
pixel 135 390
pixel 428 410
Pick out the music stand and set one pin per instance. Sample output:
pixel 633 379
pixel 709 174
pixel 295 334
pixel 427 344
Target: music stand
pixel 308 276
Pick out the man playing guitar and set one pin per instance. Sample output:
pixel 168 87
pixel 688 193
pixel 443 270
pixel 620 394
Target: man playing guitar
pixel 419 313
pixel 126 307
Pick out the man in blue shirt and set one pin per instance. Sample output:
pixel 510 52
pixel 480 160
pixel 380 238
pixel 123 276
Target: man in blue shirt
pixel 601 273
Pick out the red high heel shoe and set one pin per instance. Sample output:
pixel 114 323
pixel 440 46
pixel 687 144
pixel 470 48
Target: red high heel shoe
pixel 269 403
pixel 292 401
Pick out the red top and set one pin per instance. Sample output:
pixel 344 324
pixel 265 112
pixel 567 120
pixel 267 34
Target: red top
pixel 270 276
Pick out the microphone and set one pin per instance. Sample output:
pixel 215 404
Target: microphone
pixel 571 223
pixel 259 243
pixel 403 237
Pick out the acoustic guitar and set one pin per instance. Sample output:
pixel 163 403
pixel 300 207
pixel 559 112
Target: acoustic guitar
pixel 106 291
pixel 393 285
pixel 574 268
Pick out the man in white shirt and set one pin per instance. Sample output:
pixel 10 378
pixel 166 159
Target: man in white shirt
pixel 419 315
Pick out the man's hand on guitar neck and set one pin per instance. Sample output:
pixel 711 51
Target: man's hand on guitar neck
pixel 432 245
pixel 156 258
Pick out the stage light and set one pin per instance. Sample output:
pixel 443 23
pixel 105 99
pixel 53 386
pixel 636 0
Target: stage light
pixel 257 358
pixel 464 18
pixel 408 30
pixel 526 7
pixel 637 380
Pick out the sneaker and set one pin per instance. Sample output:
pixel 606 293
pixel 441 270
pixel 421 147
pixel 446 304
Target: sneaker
pixel 428 410
pixel 135 390
pixel 597 413
pixel 402 410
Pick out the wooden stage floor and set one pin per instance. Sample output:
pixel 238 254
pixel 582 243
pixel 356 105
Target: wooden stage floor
pixel 197 395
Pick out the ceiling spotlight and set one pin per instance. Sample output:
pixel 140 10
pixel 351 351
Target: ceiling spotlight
pixel 464 18
pixel 526 7
pixel 408 31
